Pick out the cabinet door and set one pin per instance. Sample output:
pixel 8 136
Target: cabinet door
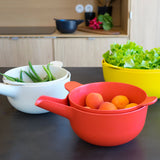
pixel 83 52
pixel 145 23
pixel 17 52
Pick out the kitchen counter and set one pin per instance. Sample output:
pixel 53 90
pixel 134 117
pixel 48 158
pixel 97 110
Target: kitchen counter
pixel 50 136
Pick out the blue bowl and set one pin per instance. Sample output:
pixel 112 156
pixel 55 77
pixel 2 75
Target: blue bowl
pixel 67 25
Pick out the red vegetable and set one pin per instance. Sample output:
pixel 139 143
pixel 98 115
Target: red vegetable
pixel 95 24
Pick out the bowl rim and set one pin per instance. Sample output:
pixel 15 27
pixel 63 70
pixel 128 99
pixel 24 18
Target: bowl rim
pixel 32 84
pixel 109 112
pixel 69 19
pixel 105 64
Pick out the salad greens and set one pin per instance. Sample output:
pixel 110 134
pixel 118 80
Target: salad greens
pixel 131 55
pixel 32 75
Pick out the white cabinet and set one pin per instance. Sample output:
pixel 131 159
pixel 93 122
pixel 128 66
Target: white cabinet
pixel 83 52
pixel 17 52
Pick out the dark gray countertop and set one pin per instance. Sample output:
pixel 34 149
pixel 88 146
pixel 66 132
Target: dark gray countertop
pixel 27 30
pixel 50 137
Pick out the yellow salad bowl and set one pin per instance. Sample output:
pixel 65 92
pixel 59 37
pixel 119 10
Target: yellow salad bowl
pixel 146 79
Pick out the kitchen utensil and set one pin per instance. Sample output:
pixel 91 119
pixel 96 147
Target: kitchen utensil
pixel 99 129
pixel 78 92
pixel 147 79
pixel 22 96
pixel 67 25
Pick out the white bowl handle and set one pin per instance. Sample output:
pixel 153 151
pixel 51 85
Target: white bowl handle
pixel 8 90
pixel 57 63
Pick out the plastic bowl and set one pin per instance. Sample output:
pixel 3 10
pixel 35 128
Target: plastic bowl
pixel 99 129
pixel 22 96
pixel 147 79
pixel 96 126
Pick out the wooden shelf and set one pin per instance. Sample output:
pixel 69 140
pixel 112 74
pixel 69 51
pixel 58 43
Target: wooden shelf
pixel 76 34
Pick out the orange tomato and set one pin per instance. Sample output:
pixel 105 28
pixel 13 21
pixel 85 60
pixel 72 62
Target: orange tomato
pixel 94 100
pixel 130 105
pixel 120 101
pixel 107 106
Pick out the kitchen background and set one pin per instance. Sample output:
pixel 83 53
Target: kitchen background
pixel 136 20
pixel 41 13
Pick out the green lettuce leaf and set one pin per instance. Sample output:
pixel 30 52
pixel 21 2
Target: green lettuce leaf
pixel 132 55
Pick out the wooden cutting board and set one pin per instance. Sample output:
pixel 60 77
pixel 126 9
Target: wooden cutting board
pixel 99 31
